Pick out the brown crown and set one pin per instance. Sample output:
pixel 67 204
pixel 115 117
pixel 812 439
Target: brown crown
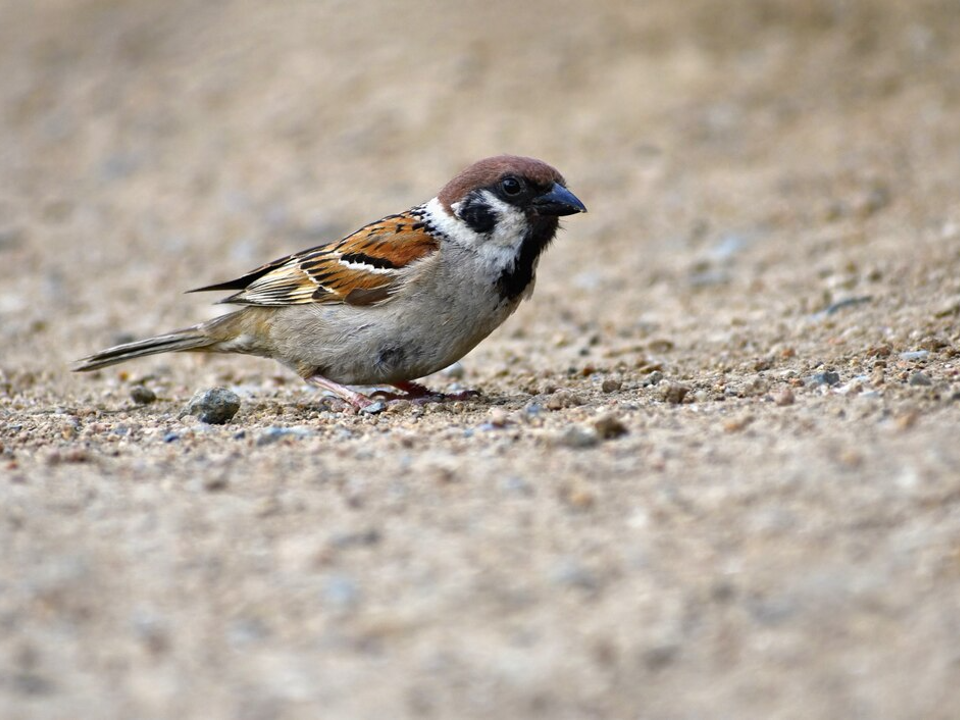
pixel 488 171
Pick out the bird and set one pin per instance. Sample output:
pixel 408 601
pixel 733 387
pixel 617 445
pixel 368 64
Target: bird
pixel 400 298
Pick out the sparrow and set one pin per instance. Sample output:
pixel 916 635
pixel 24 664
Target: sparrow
pixel 398 299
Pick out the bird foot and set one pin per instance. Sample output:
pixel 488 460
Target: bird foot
pixel 412 392
pixel 421 395
pixel 358 401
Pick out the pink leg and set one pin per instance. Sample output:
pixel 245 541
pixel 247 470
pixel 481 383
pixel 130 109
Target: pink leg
pixel 357 400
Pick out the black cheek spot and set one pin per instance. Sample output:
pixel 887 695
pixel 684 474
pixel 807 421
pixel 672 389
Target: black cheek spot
pixel 478 215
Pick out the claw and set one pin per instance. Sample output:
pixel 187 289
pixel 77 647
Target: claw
pixel 419 394
pixel 412 392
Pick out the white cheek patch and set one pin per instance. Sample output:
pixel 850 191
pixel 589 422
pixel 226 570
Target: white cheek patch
pixel 511 222
pixel 449 225
pixel 499 247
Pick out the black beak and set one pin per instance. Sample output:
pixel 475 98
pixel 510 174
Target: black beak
pixel 558 201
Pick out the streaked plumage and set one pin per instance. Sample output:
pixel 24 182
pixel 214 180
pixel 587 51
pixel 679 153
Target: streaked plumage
pixel 396 300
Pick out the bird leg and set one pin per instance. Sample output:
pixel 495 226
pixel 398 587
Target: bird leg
pixel 414 392
pixel 352 397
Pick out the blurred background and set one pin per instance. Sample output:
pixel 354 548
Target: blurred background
pixel 150 147
pixel 771 184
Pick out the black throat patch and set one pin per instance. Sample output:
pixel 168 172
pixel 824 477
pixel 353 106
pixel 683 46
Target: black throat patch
pixel 515 279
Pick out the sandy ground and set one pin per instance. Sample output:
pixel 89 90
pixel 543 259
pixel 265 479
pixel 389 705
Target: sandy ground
pixel 715 470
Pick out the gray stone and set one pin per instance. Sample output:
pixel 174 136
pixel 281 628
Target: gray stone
pixel 215 406
pixel 609 427
pixel 142 395
pixel 653 378
pixel 578 438
pixel 829 378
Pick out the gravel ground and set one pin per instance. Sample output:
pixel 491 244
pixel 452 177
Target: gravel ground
pixel 714 471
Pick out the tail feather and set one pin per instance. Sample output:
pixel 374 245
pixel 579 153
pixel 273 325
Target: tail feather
pixel 189 339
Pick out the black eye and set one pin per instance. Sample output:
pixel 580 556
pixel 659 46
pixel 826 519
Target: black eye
pixel 511 186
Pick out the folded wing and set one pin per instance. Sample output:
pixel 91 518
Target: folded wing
pixel 364 268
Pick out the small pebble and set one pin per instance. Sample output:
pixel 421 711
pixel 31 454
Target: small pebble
pixel 914 355
pixel 142 395
pixel 374 408
pixel 933 344
pixel 783 397
pixel 610 385
pixel 564 399
pixel 919 379
pixel 215 406
pixel 609 427
pixel 215 484
pixel 398 407
pixel 674 393
pixel 498 418
pixel 737 424
pixel 76 455
pixel 907 419
pixel 653 378
pixel 828 378
pixel 578 438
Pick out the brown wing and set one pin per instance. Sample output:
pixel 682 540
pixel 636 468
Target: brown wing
pixel 364 268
